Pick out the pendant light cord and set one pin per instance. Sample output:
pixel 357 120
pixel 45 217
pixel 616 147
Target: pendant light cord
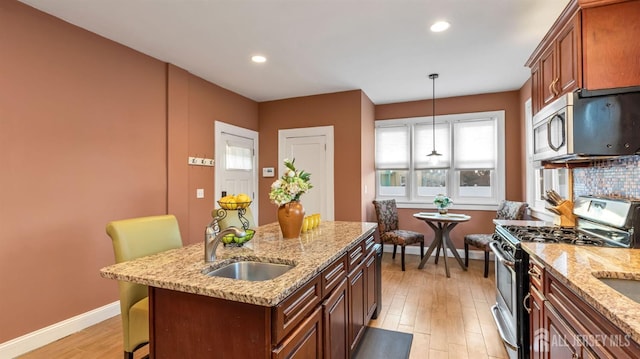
pixel 433 77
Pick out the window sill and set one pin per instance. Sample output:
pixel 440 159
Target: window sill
pixel 455 207
pixel 542 214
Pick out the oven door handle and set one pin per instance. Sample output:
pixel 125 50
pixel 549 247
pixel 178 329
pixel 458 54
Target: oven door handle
pixel 503 336
pixel 498 253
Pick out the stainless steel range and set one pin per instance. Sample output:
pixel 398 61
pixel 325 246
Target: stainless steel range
pixel 600 222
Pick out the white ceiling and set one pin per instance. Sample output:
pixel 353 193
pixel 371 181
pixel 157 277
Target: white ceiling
pixel 383 47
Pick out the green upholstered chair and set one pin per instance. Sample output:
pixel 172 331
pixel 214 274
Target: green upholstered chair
pixel 507 210
pixel 135 238
pixel 387 215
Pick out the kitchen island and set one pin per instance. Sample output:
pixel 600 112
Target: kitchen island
pixel 318 307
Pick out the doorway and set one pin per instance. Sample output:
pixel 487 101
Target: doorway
pixel 236 162
pixel 312 149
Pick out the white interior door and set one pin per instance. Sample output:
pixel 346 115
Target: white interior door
pixel 236 161
pixel 312 149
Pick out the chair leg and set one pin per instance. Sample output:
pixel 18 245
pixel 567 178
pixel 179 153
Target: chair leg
pixel 421 250
pixel 466 254
pixel 395 246
pixel 402 249
pixel 128 355
pixel 486 264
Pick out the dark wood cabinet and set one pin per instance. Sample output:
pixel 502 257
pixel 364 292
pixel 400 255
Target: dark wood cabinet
pixel 592 45
pixel 371 283
pixel 563 325
pixel 537 345
pixel 559 340
pixel 304 342
pixel 556 66
pixel 610 44
pixel 356 305
pixel 536 321
pixel 336 323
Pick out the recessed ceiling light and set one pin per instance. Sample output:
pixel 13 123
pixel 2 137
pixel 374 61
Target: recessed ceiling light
pixel 258 58
pixel 440 26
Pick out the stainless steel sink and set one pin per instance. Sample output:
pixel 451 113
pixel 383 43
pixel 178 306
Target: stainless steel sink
pixel 630 288
pixel 250 270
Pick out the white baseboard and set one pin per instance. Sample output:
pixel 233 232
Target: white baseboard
pixel 473 254
pixel 44 336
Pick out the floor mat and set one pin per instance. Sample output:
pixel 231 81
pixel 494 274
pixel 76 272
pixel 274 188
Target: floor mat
pixel 379 343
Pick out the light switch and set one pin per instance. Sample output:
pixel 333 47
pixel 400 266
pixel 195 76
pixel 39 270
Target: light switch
pixel 200 193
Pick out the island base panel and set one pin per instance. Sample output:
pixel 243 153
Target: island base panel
pixel 185 325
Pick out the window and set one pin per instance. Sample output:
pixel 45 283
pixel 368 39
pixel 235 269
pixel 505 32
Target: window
pixel 238 157
pixel 470 169
pixel 538 179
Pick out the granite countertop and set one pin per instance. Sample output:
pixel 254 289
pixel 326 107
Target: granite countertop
pixel 183 269
pixel 579 266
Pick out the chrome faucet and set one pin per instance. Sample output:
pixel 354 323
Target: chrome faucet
pixel 212 239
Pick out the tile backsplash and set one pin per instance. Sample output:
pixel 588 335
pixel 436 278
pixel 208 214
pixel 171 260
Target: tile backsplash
pixel 618 177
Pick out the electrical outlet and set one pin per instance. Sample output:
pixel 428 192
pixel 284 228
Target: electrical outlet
pixel 200 193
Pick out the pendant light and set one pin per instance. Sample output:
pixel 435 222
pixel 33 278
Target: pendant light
pixel 433 155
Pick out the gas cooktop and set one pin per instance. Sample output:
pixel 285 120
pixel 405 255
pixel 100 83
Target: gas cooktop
pixel 554 234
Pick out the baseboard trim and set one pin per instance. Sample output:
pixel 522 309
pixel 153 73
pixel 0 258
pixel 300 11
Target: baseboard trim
pixel 44 336
pixel 473 254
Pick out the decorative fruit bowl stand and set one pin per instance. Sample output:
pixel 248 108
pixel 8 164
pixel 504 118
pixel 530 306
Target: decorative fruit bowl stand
pixel 221 213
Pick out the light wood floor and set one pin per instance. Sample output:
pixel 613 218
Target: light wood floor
pixel 449 317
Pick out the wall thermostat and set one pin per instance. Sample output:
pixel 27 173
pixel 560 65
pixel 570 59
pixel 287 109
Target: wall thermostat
pixel 268 172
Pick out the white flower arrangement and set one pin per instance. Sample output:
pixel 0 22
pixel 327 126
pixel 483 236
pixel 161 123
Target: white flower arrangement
pixel 441 201
pixel 291 185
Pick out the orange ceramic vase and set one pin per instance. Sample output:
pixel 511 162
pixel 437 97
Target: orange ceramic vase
pixel 290 217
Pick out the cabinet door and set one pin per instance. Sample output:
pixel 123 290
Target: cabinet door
pixel 547 76
pixel 536 324
pixel 610 45
pixel 336 318
pixel 305 342
pixel 356 305
pixel 559 341
pixel 536 90
pixel 371 283
pixel 569 58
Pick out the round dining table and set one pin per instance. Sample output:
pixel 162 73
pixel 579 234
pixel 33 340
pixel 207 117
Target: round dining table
pixel 442 224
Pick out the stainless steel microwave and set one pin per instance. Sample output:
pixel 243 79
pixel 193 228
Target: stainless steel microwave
pixel 587 125
pixel 550 129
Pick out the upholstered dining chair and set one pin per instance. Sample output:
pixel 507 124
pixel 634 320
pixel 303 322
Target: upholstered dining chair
pixel 387 214
pixel 134 238
pixel 506 210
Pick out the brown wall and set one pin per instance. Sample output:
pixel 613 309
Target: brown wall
pixel 341 110
pixel 367 162
pixel 193 107
pixel 481 221
pixel 90 131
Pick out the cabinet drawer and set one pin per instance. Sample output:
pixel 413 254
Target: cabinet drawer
pixel 536 274
pixel 305 342
pixel 355 255
pixel 288 314
pixel 369 244
pixel 333 275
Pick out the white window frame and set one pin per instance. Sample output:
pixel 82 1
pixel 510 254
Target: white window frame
pixel 480 203
pixel 536 177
